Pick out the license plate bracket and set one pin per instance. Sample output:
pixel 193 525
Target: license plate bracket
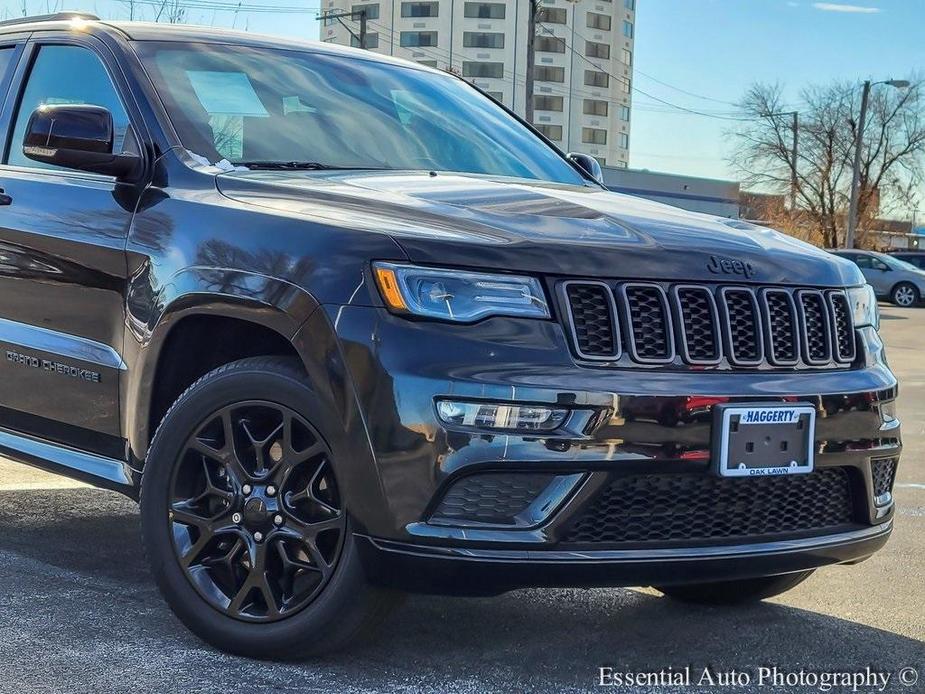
pixel 764 439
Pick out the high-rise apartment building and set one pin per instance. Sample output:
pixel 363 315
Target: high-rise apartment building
pixel 584 58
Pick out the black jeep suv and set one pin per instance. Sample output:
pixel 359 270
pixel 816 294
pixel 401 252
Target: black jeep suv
pixel 345 327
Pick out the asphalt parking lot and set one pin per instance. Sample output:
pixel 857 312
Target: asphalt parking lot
pixel 79 611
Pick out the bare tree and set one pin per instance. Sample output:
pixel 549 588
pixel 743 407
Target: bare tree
pixel 171 12
pixel 892 165
pixel 130 5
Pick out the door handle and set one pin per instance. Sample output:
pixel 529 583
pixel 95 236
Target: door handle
pixel 4 198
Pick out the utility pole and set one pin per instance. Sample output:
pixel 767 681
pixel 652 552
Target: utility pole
pixel 353 16
pixel 794 183
pixel 856 170
pixel 531 59
pixel 852 224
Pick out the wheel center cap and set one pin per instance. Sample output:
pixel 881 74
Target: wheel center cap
pixel 255 512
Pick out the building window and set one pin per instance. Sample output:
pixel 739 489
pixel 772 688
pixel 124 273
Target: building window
pixel 544 102
pixel 625 113
pixel 548 73
pixel 417 39
pixel 420 9
pixel 601 160
pixel 479 69
pixel 598 21
pixel 553 15
pixel 550 132
pixel 629 4
pixel 481 39
pixel 428 63
pixel 627 29
pixel 593 49
pixel 627 57
pixel 497 96
pixel 550 44
pixel 624 141
pixel 594 136
pixel 372 41
pixel 595 107
pixel 372 11
pixel 597 79
pixel 484 10
pixel 626 85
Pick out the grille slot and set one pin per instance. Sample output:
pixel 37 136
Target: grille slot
pixel 649 337
pixel 782 334
pixel 664 508
pixel 699 325
pixel 817 344
pixel 743 326
pixel 593 320
pixel 842 327
pixel 883 471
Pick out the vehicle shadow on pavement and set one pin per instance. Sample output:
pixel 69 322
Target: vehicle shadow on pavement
pixel 83 545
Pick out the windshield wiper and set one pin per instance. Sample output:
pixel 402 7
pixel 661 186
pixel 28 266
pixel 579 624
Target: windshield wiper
pixel 305 165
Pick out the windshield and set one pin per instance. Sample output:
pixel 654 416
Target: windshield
pixel 267 106
pixel 898 264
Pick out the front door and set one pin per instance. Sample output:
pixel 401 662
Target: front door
pixel 876 273
pixel 62 261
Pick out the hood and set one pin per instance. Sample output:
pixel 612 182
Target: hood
pixel 540 228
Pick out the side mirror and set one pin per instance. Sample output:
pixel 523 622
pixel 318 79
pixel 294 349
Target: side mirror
pixel 589 165
pixel 77 136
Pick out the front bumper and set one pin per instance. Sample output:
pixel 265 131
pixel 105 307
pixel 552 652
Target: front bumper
pixel 459 571
pixel 640 421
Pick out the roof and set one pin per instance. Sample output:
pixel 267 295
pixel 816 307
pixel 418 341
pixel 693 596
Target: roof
pixel 150 31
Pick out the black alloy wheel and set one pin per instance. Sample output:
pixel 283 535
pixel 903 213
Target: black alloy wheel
pixel 255 513
pixel 247 530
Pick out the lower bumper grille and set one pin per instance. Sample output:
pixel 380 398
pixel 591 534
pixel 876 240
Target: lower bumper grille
pixel 491 498
pixel 884 472
pixel 664 508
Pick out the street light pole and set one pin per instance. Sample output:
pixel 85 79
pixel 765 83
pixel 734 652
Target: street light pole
pixel 852 223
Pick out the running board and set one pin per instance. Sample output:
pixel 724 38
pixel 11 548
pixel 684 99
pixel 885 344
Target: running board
pixel 93 469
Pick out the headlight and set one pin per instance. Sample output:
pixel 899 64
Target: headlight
pixel 458 296
pixel 864 305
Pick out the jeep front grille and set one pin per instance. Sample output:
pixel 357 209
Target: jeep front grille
pixel 699 325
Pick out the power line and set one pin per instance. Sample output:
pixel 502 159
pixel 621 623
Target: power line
pixel 632 86
pixel 234 7
pixel 683 91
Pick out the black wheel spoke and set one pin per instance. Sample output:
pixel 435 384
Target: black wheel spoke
pixel 190 556
pixel 259 520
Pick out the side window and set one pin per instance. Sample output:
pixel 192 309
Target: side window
pixel 6 57
pixel 864 261
pixel 66 75
pixel 878 264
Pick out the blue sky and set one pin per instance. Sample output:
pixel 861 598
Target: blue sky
pixel 711 48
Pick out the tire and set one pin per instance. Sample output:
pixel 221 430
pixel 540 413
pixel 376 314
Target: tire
pixel 273 573
pixel 905 294
pixel 735 592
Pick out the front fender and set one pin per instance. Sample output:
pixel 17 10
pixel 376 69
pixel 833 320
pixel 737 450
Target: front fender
pixel 271 303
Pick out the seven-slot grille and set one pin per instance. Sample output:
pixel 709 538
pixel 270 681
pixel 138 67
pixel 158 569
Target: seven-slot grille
pixel 703 325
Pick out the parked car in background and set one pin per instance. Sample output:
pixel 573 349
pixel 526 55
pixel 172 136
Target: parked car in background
pixel 916 258
pixel 892 278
